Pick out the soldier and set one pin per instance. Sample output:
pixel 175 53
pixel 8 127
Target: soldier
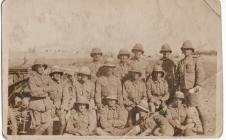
pixel 40 103
pixel 96 54
pixel 123 66
pixel 112 118
pixel 81 122
pixel 185 120
pixel 108 84
pixel 85 87
pixel 157 89
pixel 137 59
pixel 151 123
pixel 190 75
pixel 134 90
pixel 169 67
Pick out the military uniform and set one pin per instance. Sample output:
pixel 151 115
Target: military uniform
pixel 40 103
pixel 107 86
pixel 170 68
pixel 190 75
pixel 133 93
pixel 112 121
pixel 122 70
pixel 157 90
pixel 81 124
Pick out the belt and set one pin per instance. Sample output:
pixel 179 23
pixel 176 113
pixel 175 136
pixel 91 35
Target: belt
pixel 37 98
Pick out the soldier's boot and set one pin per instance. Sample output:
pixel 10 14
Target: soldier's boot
pixel 202 116
pixel 101 132
pixel 50 128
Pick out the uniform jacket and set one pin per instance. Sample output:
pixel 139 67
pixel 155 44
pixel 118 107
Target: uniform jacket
pixel 107 86
pixel 157 90
pixel 40 88
pixel 190 73
pixel 94 67
pixel 87 90
pixel 133 92
pixel 122 70
pixel 113 117
pixel 81 123
pixel 68 97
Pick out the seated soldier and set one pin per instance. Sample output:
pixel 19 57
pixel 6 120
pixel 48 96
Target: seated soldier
pixel 134 90
pixel 150 123
pixel 81 122
pixel 112 118
pixel 157 89
pixel 185 120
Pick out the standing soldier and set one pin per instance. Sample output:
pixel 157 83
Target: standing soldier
pixel 84 86
pixel 81 122
pixel 112 118
pixel 190 75
pixel 157 89
pixel 40 103
pixel 134 90
pixel 108 84
pixel 123 66
pixel 169 67
pixel 137 59
pixel 96 54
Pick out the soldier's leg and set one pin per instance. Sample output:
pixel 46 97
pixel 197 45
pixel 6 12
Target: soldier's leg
pixel 12 118
pixel 133 131
pixel 131 117
pixel 100 132
pixel 62 117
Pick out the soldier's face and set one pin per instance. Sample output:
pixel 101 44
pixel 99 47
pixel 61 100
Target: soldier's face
pixel 109 71
pixel 81 107
pixel 178 101
pixel 142 113
pixel 157 75
pixel 82 77
pixel 111 103
pixel 40 70
pixel 124 58
pixel 166 54
pixel 96 57
pixel 136 76
pixel 187 52
pixel 137 54
pixel 57 76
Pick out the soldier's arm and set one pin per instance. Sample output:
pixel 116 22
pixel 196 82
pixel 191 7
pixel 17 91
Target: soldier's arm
pixel 166 96
pixel 119 91
pixel 150 96
pixel 200 73
pixel 36 90
pixel 126 101
pixel 144 91
pixel 123 115
pixel 98 94
pixel 70 127
pixel 170 119
pixel 177 77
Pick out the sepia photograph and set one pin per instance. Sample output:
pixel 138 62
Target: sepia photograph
pixel 111 69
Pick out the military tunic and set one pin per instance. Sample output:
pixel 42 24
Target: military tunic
pixel 169 67
pixel 94 68
pixel 113 120
pixel 157 92
pixel 140 63
pixel 40 103
pixel 87 90
pixel 122 70
pixel 108 86
pixel 81 123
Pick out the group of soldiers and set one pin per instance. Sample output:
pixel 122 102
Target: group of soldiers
pixel 106 98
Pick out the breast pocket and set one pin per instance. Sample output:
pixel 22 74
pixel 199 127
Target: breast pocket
pixel 190 68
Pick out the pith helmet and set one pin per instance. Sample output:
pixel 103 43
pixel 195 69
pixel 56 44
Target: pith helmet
pixel 39 63
pixel 138 47
pixel 136 69
pixel 143 105
pixel 112 97
pixel 165 48
pixel 158 68
pixel 84 70
pixel 109 62
pixel 123 52
pixel 82 100
pixel 56 69
pixel 187 45
pixel 96 51
pixel 179 94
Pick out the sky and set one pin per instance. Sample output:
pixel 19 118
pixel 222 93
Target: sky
pixel 110 24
